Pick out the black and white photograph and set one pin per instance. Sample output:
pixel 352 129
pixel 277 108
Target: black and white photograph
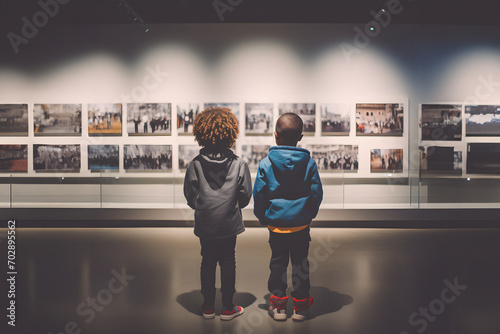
pixel 482 121
pixel 186 154
pixel 379 119
pixel 103 157
pixel 57 119
pixel 13 158
pixel 386 161
pixel 306 111
pixel 105 119
pixel 483 158
pixel 253 154
pixel 147 157
pixel 335 157
pixel 335 119
pixel 149 119
pixel 442 122
pixel 259 118
pixel 457 160
pixel 438 158
pixel 56 158
pixel 13 119
pixel 186 112
pixel 235 107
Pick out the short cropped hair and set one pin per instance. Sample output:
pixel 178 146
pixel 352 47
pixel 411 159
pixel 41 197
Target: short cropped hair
pixel 216 127
pixel 289 127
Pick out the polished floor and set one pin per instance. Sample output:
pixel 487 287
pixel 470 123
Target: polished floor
pixel 364 281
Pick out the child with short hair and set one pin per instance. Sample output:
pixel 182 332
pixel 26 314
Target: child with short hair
pixel 217 186
pixel 287 195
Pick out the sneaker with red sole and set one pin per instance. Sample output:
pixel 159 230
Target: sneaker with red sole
pixel 277 309
pixel 208 312
pixel 301 308
pixel 228 314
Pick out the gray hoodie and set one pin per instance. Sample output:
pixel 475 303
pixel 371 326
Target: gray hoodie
pixel 217 186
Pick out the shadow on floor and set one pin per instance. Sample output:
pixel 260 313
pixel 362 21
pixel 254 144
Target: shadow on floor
pixel 191 301
pixel 325 301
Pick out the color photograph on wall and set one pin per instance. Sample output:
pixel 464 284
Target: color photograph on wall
pixel 335 157
pixel 186 112
pixel 105 119
pixel 13 119
pixel 386 161
pixel 57 119
pixel 186 154
pixel 147 157
pixel 306 111
pixel 441 122
pixel 103 158
pixel 149 119
pixel 379 119
pixel 253 154
pixel 482 120
pixel 235 107
pixel 483 158
pixel 335 119
pixel 258 118
pixel 13 158
pixel 56 158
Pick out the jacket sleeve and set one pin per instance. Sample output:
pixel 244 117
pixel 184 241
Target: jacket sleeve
pixel 316 191
pixel 191 186
pixel 244 185
pixel 261 202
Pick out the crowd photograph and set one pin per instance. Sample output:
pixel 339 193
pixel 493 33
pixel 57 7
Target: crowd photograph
pixel 185 117
pixel 335 119
pixel 57 119
pixel 13 158
pixel 103 157
pixel 149 119
pixel 259 118
pixel 388 161
pixel 253 154
pixel 105 119
pixel 379 119
pixel 306 111
pixel 335 157
pixel 56 158
pixel 186 154
pixel 13 119
pixel 441 122
pixel 147 157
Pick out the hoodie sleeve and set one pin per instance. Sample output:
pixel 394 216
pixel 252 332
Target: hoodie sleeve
pixel 316 190
pixel 261 202
pixel 191 186
pixel 245 185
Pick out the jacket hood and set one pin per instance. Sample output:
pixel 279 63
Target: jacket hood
pixel 289 159
pixel 216 165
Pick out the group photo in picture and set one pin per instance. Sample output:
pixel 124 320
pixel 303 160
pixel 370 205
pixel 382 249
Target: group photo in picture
pixel 56 158
pixel 186 154
pixel 13 158
pixel 306 111
pixel 103 157
pixel 388 161
pixel 13 119
pixel 147 157
pixel 57 119
pixel 441 122
pixel 235 107
pixel 253 154
pixel 186 113
pixel 149 119
pixel 105 119
pixel 335 157
pixel 259 118
pixel 335 119
pixel 482 120
pixel 379 119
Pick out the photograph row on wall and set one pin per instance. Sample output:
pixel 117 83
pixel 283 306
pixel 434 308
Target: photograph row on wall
pixel 67 158
pixel 150 119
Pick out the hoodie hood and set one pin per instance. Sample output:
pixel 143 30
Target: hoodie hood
pixel 289 159
pixel 216 165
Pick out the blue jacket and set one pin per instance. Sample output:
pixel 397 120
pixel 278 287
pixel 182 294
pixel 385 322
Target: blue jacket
pixel 287 190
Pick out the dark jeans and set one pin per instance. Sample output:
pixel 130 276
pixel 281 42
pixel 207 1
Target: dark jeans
pixel 296 247
pixel 221 251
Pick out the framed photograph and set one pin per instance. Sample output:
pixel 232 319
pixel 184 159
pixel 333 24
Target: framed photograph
pixel 105 119
pixel 186 154
pixel 457 160
pixel 149 119
pixel 379 119
pixel 335 157
pixel 235 107
pixel 103 157
pixel 13 119
pixel 259 118
pixel 386 161
pixel 56 158
pixel 483 120
pixel 147 157
pixel 483 158
pixel 13 158
pixel 335 119
pixel 57 119
pixel 306 111
pixel 441 122
pixel 185 117
pixel 253 154
pixel 438 158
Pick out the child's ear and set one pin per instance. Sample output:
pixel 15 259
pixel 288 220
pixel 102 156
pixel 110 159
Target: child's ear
pixel 275 135
pixel 300 137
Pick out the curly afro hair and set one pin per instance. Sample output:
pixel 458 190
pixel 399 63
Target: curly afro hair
pixel 215 128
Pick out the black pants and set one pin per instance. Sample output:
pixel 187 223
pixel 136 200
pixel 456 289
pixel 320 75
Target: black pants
pixel 285 246
pixel 221 251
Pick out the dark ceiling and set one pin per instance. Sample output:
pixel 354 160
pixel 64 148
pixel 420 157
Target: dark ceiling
pixel 469 12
